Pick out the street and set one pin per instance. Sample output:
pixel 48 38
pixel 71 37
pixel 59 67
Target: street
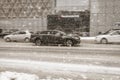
pixel 81 62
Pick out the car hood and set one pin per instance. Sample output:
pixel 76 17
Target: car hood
pixel 8 36
pixel 102 35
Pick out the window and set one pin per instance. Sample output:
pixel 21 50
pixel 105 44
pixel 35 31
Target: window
pixel 53 32
pixel 22 32
pixel 116 33
pixel 44 32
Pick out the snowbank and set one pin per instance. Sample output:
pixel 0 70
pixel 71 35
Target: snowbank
pixel 24 76
pixel 17 76
pixel 87 38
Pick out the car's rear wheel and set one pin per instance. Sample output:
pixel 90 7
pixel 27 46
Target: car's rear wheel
pixel 69 43
pixel 104 41
pixel 26 39
pixel 7 39
pixel 38 42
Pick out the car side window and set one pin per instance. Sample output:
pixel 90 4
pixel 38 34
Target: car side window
pixel 53 32
pixel 44 32
pixel 15 33
pixel 116 33
pixel 22 32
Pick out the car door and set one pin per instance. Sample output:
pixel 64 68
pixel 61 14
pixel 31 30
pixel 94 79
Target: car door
pixel 115 36
pixel 15 36
pixel 45 36
pixel 57 37
pixel 21 36
pixel 50 37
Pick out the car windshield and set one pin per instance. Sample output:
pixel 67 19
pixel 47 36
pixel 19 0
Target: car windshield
pixel 110 31
pixel 14 33
pixel 63 33
pixel 43 32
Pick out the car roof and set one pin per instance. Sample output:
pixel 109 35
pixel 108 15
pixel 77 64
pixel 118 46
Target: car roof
pixel 115 29
pixel 50 31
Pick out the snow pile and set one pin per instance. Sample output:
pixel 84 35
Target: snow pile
pixel 17 76
pixel 87 38
pixel 23 76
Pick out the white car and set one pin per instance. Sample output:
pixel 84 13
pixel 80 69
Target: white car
pixel 112 36
pixel 18 36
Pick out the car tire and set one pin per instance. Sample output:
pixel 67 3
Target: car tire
pixel 69 43
pixel 104 41
pixel 26 39
pixel 38 42
pixel 8 39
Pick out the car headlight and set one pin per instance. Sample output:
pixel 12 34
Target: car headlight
pixel 96 37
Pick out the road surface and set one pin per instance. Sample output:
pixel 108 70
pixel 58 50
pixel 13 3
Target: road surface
pixel 77 63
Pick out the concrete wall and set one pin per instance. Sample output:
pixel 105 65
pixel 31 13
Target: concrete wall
pixel 71 5
pixel 24 24
pixel 104 15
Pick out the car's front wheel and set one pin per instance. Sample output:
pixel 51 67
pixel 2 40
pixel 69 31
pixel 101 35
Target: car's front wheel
pixel 104 41
pixel 7 39
pixel 69 43
pixel 38 42
pixel 26 39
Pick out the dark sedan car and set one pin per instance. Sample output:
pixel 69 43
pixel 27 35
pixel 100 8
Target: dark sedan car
pixel 55 37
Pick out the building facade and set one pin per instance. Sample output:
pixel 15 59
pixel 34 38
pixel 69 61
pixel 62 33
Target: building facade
pixel 72 5
pixel 105 14
pixel 74 15
pixel 25 14
pixel 32 14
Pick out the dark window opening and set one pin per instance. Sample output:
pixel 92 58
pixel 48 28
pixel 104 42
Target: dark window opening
pixel 70 24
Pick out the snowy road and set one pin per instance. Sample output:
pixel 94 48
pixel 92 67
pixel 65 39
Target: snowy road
pixel 77 63
pixel 58 67
pixel 81 71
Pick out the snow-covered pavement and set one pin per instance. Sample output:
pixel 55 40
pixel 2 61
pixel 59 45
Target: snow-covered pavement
pixel 57 67
pixel 88 38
